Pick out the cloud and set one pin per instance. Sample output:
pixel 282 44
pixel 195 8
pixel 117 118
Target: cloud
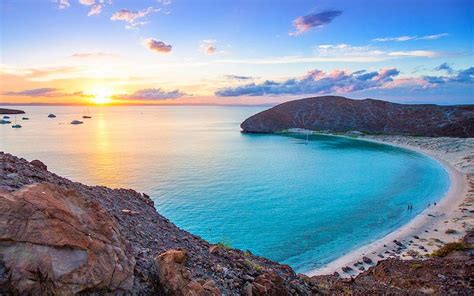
pixel 43 92
pixel 62 4
pixel 465 76
pixel 86 55
pixel 414 53
pixel 132 17
pixel 316 20
pixel 408 38
pixel 157 46
pixel 87 2
pixel 445 67
pixel 342 81
pixel 208 47
pixel 95 10
pixel 315 82
pixel 164 2
pixel 151 94
pixel 238 77
pixel 350 51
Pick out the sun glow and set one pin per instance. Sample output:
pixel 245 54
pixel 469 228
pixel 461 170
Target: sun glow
pixel 101 96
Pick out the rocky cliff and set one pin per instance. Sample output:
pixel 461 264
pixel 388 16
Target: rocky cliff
pixel 339 114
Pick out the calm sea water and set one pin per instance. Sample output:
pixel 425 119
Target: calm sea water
pixel 296 202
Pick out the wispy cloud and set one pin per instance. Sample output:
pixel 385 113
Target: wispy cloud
pixel 157 45
pixel 445 67
pixel 132 17
pixel 414 53
pixel 43 92
pixel 305 23
pixel 208 47
pixel 62 4
pixel 238 77
pixel 87 55
pixel 408 38
pixel 346 50
pixel 151 94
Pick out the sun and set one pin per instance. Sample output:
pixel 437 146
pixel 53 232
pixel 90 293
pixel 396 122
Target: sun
pixel 101 96
pixel 101 100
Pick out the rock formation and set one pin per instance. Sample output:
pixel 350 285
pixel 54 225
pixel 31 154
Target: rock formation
pixel 339 114
pixel 11 111
pixel 53 241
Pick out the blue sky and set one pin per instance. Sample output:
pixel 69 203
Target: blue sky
pixel 191 51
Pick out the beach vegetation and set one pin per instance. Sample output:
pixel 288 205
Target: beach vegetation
pixel 451 247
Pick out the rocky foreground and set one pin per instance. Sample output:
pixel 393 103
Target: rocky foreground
pixel 339 114
pixel 63 237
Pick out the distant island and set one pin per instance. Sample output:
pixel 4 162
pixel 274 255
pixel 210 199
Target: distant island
pixel 340 114
pixel 11 111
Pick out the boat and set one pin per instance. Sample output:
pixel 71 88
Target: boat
pixel 87 116
pixel 52 115
pixel 6 117
pixel 3 121
pixel 25 118
pixel 76 122
pixel 16 126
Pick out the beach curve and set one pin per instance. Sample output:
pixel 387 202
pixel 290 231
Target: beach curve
pixel 429 230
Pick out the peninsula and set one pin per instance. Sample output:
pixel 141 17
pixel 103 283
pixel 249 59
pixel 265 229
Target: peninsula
pixel 339 114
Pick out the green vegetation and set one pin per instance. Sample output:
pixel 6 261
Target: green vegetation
pixel 451 247
pixel 416 265
pixel 253 265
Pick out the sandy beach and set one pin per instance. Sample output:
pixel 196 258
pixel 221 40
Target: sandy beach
pixel 445 222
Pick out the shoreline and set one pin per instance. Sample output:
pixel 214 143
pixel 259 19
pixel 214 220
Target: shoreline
pixel 434 219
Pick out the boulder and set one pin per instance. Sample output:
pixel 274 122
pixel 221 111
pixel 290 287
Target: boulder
pixel 39 164
pixel 175 279
pixel 54 241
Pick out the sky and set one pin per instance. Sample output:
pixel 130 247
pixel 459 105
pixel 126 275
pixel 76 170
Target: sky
pixel 235 52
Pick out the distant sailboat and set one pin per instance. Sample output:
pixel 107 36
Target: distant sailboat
pixel 52 115
pixel 25 118
pixel 6 117
pixel 16 125
pixel 76 122
pixel 87 116
pixel 3 121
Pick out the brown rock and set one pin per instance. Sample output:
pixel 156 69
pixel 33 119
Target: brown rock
pixel 268 283
pixel 53 241
pixel 39 164
pixel 175 278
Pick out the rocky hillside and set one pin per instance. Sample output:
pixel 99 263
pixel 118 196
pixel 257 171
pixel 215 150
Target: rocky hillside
pixel 339 114
pixel 59 237
pixel 11 111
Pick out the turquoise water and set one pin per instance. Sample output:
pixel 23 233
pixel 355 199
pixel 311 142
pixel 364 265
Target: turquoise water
pixel 297 202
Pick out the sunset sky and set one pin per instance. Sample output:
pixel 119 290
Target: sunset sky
pixel 235 52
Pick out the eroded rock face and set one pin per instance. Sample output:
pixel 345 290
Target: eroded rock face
pixel 339 114
pixel 176 279
pixel 53 241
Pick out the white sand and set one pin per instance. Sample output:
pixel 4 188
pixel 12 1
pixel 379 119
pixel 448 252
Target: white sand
pixel 454 211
